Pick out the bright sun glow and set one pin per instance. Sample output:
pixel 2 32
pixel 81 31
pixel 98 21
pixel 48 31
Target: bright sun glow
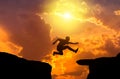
pixel 67 15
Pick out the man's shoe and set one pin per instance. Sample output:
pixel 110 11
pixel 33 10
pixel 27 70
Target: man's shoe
pixel 53 53
pixel 76 50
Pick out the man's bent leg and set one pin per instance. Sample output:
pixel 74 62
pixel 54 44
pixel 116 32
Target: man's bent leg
pixel 67 47
pixel 60 53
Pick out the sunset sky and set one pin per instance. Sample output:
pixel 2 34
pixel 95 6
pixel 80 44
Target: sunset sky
pixel 28 28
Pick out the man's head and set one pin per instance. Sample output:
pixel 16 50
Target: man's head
pixel 67 38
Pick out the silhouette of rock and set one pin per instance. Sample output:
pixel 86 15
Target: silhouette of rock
pixel 103 67
pixel 12 66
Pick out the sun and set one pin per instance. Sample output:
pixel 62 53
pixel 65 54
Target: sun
pixel 64 15
pixel 67 15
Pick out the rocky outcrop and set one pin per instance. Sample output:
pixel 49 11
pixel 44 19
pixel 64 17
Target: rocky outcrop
pixel 12 66
pixel 102 68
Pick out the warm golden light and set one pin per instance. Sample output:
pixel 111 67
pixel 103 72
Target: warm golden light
pixel 67 15
pixel 6 45
pixel 60 63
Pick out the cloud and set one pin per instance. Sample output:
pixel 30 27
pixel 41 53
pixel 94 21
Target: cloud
pixel 101 20
pixel 117 12
pixel 7 45
pixel 104 10
pixel 25 28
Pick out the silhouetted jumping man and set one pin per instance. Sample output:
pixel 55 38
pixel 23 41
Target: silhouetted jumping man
pixel 62 45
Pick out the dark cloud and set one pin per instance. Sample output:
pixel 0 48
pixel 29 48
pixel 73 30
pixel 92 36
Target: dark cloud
pixel 106 3
pixel 104 10
pixel 25 27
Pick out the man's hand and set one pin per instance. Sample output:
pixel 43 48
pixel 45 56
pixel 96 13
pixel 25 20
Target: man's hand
pixel 76 43
pixel 53 43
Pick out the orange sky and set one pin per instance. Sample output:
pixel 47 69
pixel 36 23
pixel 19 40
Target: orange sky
pixel 30 30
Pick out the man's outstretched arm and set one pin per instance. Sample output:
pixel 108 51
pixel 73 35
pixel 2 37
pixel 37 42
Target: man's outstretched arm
pixel 55 41
pixel 59 39
pixel 73 42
